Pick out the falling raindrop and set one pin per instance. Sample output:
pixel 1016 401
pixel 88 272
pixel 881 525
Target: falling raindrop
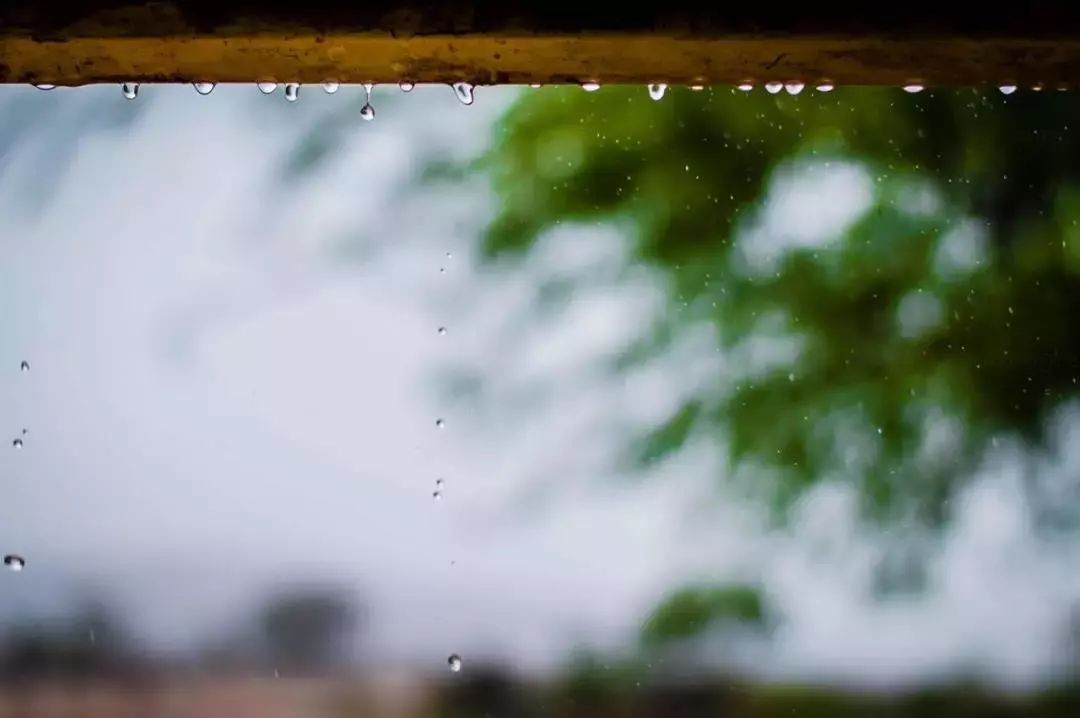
pixel 130 90
pixel 442 331
pixel 437 495
pixel 825 87
pixel 657 90
pixel 442 270
pixel 292 91
pixel 438 482
pixel 454 661
pixel 330 86
pixel 45 86
pixel 913 89
pixel 1007 89
pixel 745 87
pixel 439 423
pixel 25 431
pixel 590 86
pixel 464 92
pixel 794 88
pixel 266 87
pixel 24 366
pixel 367 112
pixel 406 86
pixel 203 88
pixel 18 563
pixel 17 443
pixel 773 87
pixel 449 255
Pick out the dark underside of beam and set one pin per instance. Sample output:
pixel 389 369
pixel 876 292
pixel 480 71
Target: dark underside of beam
pixel 687 41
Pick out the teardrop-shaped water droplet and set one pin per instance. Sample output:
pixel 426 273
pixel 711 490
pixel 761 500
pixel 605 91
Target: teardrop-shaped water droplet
pixel 590 86
pixel 1007 89
pixel 442 331
pixel 824 87
pixel 464 92
pixel 913 89
pixel 406 86
pixel 45 86
pixel 17 563
pixel 367 112
pixel 24 366
pixel 794 88
pixel 266 87
pixel 773 87
pixel 454 661
pixel 745 87
pixel 657 90
pixel 130 90
pixel 203 88
pixel 331 86
pixel 17 443
pixel 439 423
pixel 292 91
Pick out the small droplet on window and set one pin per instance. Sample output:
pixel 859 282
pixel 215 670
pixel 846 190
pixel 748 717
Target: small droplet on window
pixel 794 88
pixel 825 87
pixel 1007 89
pixel 203 88
pixel 406 86
pixel 44 86
pixel 292 91
pixel 442 331
pixel 657 90
pixel 464 92
pixel 454 661
pixel 14 563
pixel 913 89
pixel 438 482
pixel 745 87
pixel 590 86
pixel 367 112
pixel 331 86
pixel 17 443
pixel 130 90
pixel 773 87
pixel 266 87
pixel 437 495
pixel 439 423
pixel 24 366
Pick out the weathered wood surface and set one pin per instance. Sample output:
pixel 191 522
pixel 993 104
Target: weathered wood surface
pixel 518 41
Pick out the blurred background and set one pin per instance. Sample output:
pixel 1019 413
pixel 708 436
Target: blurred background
pixel 563 403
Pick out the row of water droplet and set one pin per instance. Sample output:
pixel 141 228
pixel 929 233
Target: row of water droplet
pixel 12 561
pixel 465 91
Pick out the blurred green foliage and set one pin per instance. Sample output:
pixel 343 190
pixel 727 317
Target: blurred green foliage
pixel 691 610
pixel 948 300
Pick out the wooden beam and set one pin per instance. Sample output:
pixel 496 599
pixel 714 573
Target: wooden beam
pixel 527 41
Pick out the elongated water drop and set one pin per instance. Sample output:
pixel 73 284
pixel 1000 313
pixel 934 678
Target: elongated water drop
pixel 824 87
pixel 773 87
pixel 406 86
pixel 913 89
pixel 203 88
pixel 266 87
pixel 590 86
pixel 330 86
pixel 130 90
pixel 464 92
pixel 745 87
pixel 1007 89
pixel 18 563
pixel 24 366
pixel 292 91
pixel 794 88
pixel 367 112
pixel 657 90
pixel 45 86
pixel 454 661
